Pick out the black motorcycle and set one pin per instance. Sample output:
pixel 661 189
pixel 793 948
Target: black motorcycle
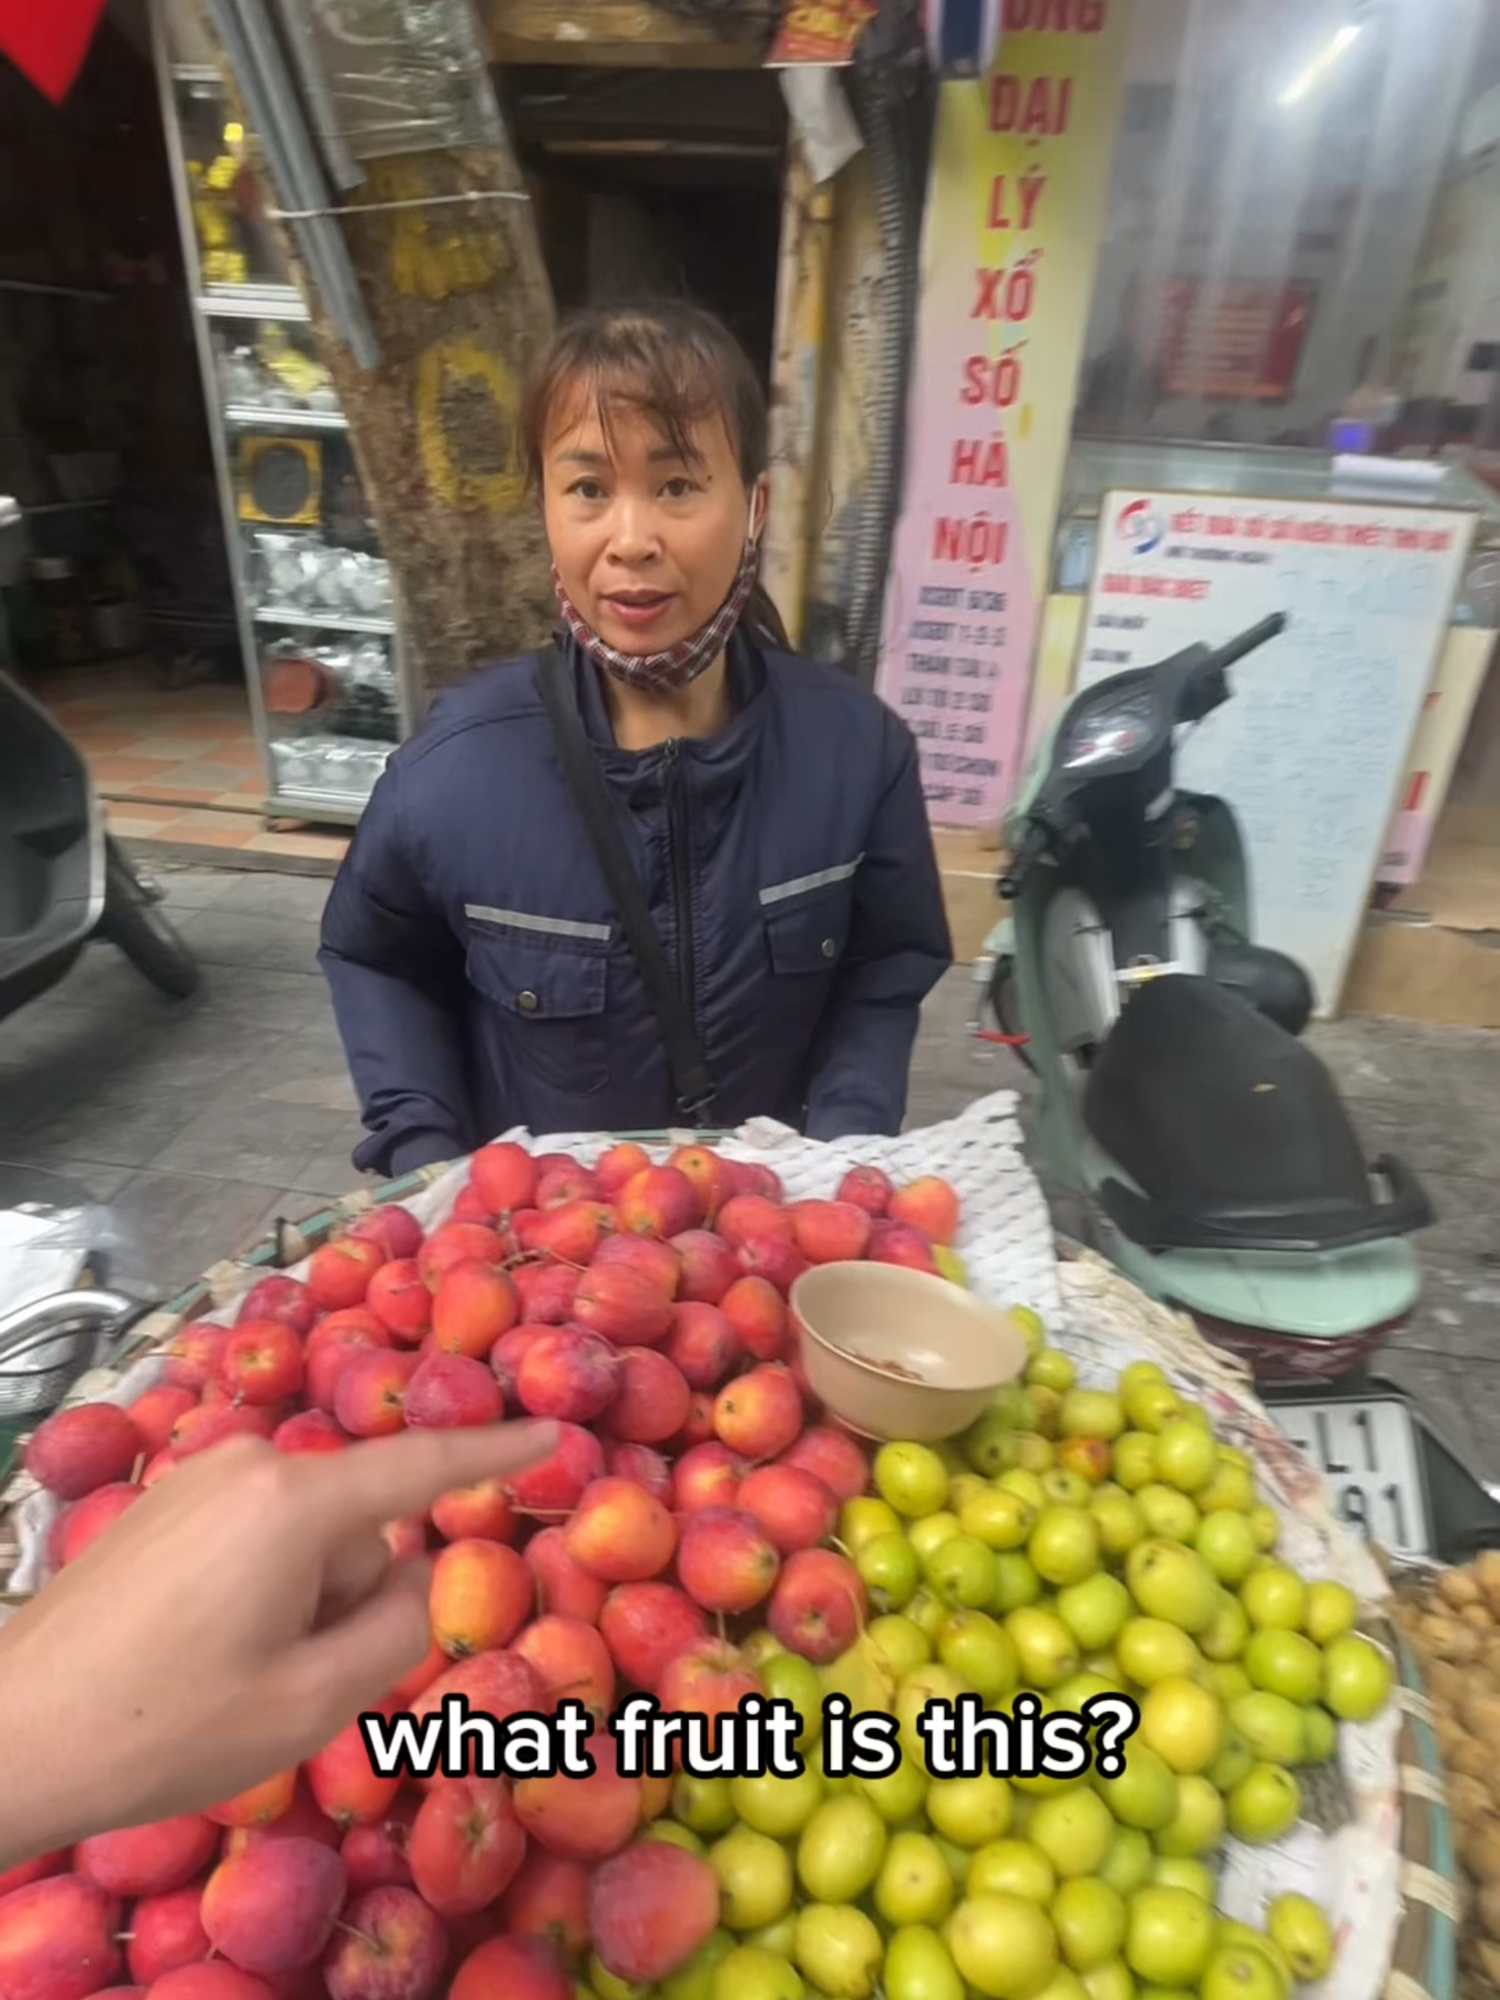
pixel 63 880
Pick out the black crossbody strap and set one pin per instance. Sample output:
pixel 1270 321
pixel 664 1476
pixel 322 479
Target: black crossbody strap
pixel 591 794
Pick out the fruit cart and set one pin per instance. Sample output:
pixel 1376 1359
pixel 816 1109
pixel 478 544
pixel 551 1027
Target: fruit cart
pixel 1371 1839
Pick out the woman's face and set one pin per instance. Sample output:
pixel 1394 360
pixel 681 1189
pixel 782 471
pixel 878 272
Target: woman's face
pixel 647 543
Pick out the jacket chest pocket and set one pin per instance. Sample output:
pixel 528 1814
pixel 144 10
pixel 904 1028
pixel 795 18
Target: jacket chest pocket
pixel 806 921
pixel 545 995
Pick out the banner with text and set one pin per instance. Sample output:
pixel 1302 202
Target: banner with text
pixel 1015 208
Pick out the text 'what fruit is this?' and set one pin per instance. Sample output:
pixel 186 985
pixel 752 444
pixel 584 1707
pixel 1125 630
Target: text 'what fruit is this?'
pixel 959 1739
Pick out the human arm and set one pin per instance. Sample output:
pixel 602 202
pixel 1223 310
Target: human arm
pixel 898 949
pixel 228 1626
pixel 395 972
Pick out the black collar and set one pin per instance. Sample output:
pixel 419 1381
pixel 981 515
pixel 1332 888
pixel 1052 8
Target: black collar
pixel 747 678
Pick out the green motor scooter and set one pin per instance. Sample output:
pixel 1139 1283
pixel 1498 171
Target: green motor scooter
pixel 1202 1146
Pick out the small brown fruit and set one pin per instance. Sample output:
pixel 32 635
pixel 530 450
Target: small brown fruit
pixel 1445 1638
pixel 1457 1589
pixel 1446 1682
pixel 1469 1799
pixel 1470 1759
pixel 1489 1910
pixel 1485 1570
pixel 1480 1712
pixel 1479 1844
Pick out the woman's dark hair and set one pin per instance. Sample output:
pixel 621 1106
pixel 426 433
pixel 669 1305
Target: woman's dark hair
pixel 675 364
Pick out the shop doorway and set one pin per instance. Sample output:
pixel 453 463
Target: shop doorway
pixel 651 183
pixel 124 622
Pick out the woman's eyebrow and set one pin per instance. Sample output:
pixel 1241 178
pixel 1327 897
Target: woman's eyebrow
pixel 661 454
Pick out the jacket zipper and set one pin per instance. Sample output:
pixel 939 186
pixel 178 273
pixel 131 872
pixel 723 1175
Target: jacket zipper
pixel 682 888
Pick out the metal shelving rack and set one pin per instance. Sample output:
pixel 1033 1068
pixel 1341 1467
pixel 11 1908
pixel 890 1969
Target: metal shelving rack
pixel 262 617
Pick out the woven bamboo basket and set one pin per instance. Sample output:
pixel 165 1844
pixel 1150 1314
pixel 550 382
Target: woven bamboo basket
pixel 1424 1961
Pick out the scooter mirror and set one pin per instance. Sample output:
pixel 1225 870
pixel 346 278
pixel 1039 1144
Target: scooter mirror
pixel 12 541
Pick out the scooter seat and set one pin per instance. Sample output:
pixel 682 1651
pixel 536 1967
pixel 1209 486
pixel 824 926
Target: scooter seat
pixel 1274 984
pixel 1231 1131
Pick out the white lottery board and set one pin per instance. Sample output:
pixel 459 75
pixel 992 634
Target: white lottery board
pixel 1311 748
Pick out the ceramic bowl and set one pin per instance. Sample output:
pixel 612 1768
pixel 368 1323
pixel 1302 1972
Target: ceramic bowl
pixel 898 1354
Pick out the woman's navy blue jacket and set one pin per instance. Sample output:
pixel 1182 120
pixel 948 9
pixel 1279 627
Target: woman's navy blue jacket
pixel 479 973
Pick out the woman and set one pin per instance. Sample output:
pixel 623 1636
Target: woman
pixel 770 811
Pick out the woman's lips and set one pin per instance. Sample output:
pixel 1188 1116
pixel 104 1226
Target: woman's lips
pixel 639 613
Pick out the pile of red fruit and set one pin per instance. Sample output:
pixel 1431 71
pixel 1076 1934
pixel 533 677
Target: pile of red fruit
pixel 642 1307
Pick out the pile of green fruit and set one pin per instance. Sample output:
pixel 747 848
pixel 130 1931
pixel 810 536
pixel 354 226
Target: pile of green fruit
pixel 1074 1543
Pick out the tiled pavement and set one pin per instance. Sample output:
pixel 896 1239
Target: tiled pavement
pixel 179 768
pixel 201 1124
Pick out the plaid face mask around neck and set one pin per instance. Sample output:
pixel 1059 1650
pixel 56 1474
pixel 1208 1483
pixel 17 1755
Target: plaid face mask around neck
pixel 679 665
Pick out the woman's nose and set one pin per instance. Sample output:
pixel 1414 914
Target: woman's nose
pixel 633 533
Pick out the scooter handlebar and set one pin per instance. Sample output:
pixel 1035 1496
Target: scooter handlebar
pixel 1206 685
pixel 1248 641
pixel 1034 844
pixel 1197 687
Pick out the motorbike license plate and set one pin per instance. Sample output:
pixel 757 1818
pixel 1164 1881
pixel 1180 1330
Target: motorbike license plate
pixel 1369 1454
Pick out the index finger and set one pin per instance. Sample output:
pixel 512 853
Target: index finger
pixel 388 1478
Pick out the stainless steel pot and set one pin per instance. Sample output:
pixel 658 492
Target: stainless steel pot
pixel 47 1345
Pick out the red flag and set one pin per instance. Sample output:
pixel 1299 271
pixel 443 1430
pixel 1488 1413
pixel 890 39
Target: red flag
pixel 47 40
